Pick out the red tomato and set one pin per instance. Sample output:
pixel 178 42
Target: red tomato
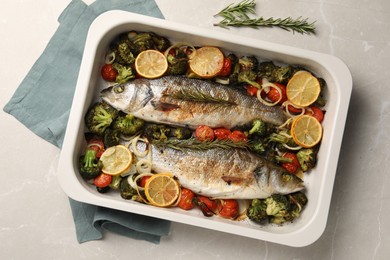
pixel 251 90
pixel 143 181
pixel 238 136
pixel 97 144
pixel 222 133
pixel 294 110
pixel 273 95
pixel 316 112
pixel 292 166
pixel 204 133
pixel 227 68
pixel 186 199
pixel 206 205
pixel 228 208
pixel 108 72
pixel 103 180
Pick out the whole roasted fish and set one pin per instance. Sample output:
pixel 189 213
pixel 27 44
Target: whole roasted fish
pixel 189 102
pixel 224 173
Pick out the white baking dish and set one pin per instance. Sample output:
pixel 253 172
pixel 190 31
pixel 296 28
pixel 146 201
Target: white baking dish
pixel 319 183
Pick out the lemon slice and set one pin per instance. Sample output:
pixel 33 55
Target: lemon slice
pixel 303 89
pixel 207 62
pixel 162 190
pixel 151 64
pixel 306 131
pixel 116 160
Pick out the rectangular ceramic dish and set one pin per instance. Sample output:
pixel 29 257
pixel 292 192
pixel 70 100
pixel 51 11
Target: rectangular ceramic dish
pixel 319 183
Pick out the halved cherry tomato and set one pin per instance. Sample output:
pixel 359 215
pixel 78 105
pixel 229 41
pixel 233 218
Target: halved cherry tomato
pixel 222 133
pixel 292 166
pixel 238 136
pixel 273 95
pixel 103 180
pixel 204 133
pixel 228 208
pixel 143 180
pixel 294 110
pixel 316 112
pixel 251 90
pixel 227 67
pixel 95 143
pixel 186 199
pixel 206 205
pixel 108 72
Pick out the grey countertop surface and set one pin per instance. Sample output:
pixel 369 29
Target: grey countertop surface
pixel 36 221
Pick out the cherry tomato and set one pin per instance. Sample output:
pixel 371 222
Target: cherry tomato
pixel 292 166
pixel 204 133
pixel 227 68
pixel 238 136
pixel 228 208
pixel 108 72
pixel 95 143
pixel 186 199
pixel 103 180
pixel 206 205
pixel 294 110
pixel 273 95
pixel 316 112
pixel 222 133
pixel 143 180
pixel 251 90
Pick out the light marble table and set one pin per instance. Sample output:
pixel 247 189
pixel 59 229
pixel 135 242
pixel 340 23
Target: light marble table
pixel 35 218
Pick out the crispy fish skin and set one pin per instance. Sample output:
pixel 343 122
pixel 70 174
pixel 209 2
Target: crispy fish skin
pixel 225 173
pixel 170 100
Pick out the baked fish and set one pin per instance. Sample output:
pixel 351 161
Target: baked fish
pixel 181 101
pixel 224 173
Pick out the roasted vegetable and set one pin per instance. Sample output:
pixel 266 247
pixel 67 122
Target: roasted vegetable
pixel 127 192
pixel 248 63
pixel 111 137
pixel 99 117
pixel 116 182
pixel 260 128
pixel 128 124
pixel 180 133
pixel 257 211
pixel 125 73
pixel 178 62
pixel 258 145
pixel 143 41
pixel 307 158
pixel 277 209
pixel 90 165
pixel 249 77
pixel 122 50
pixel 156 132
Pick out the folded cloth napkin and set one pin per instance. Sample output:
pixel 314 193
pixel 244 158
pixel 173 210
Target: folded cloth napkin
pixel 43 100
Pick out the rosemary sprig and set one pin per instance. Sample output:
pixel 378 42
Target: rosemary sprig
pixel 198 96
pixel 193 144
pixel 237 16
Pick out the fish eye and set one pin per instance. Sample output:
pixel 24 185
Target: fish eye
pixel 118 88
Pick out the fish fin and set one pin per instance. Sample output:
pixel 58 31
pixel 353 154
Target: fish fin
pixel 163 106
pixel 229 179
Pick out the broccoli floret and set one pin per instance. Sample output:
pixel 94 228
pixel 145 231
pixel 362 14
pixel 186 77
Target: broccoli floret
pixel 125 73
pixel 122 47
pixel 99 117
pixel 277 205
pixel 156 132
pixel 281 139
pixel 126 191
pixel 259 127
pixel 249 77
pixel 266 70
pixel 111 137
pixel 90 165
pixel 282 74
pixel 307 158
pixel 178 62
pixel 258 146
pixel 128 124
pixel 180 133
pixel 142 41
pixel 248 63
pixel 116 182
pixel 257 211
pixel 160 43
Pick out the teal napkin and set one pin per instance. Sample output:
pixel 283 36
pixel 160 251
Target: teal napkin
pixel 43 100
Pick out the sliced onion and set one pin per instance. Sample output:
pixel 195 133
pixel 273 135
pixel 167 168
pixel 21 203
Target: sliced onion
pixel 110 57
pixel 295 148
pixel 288 103
pixel 143 166
pixel 180 45
pixel 135 149
pixel 266 87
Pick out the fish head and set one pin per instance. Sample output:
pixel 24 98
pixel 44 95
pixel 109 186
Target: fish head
pixel 128 97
